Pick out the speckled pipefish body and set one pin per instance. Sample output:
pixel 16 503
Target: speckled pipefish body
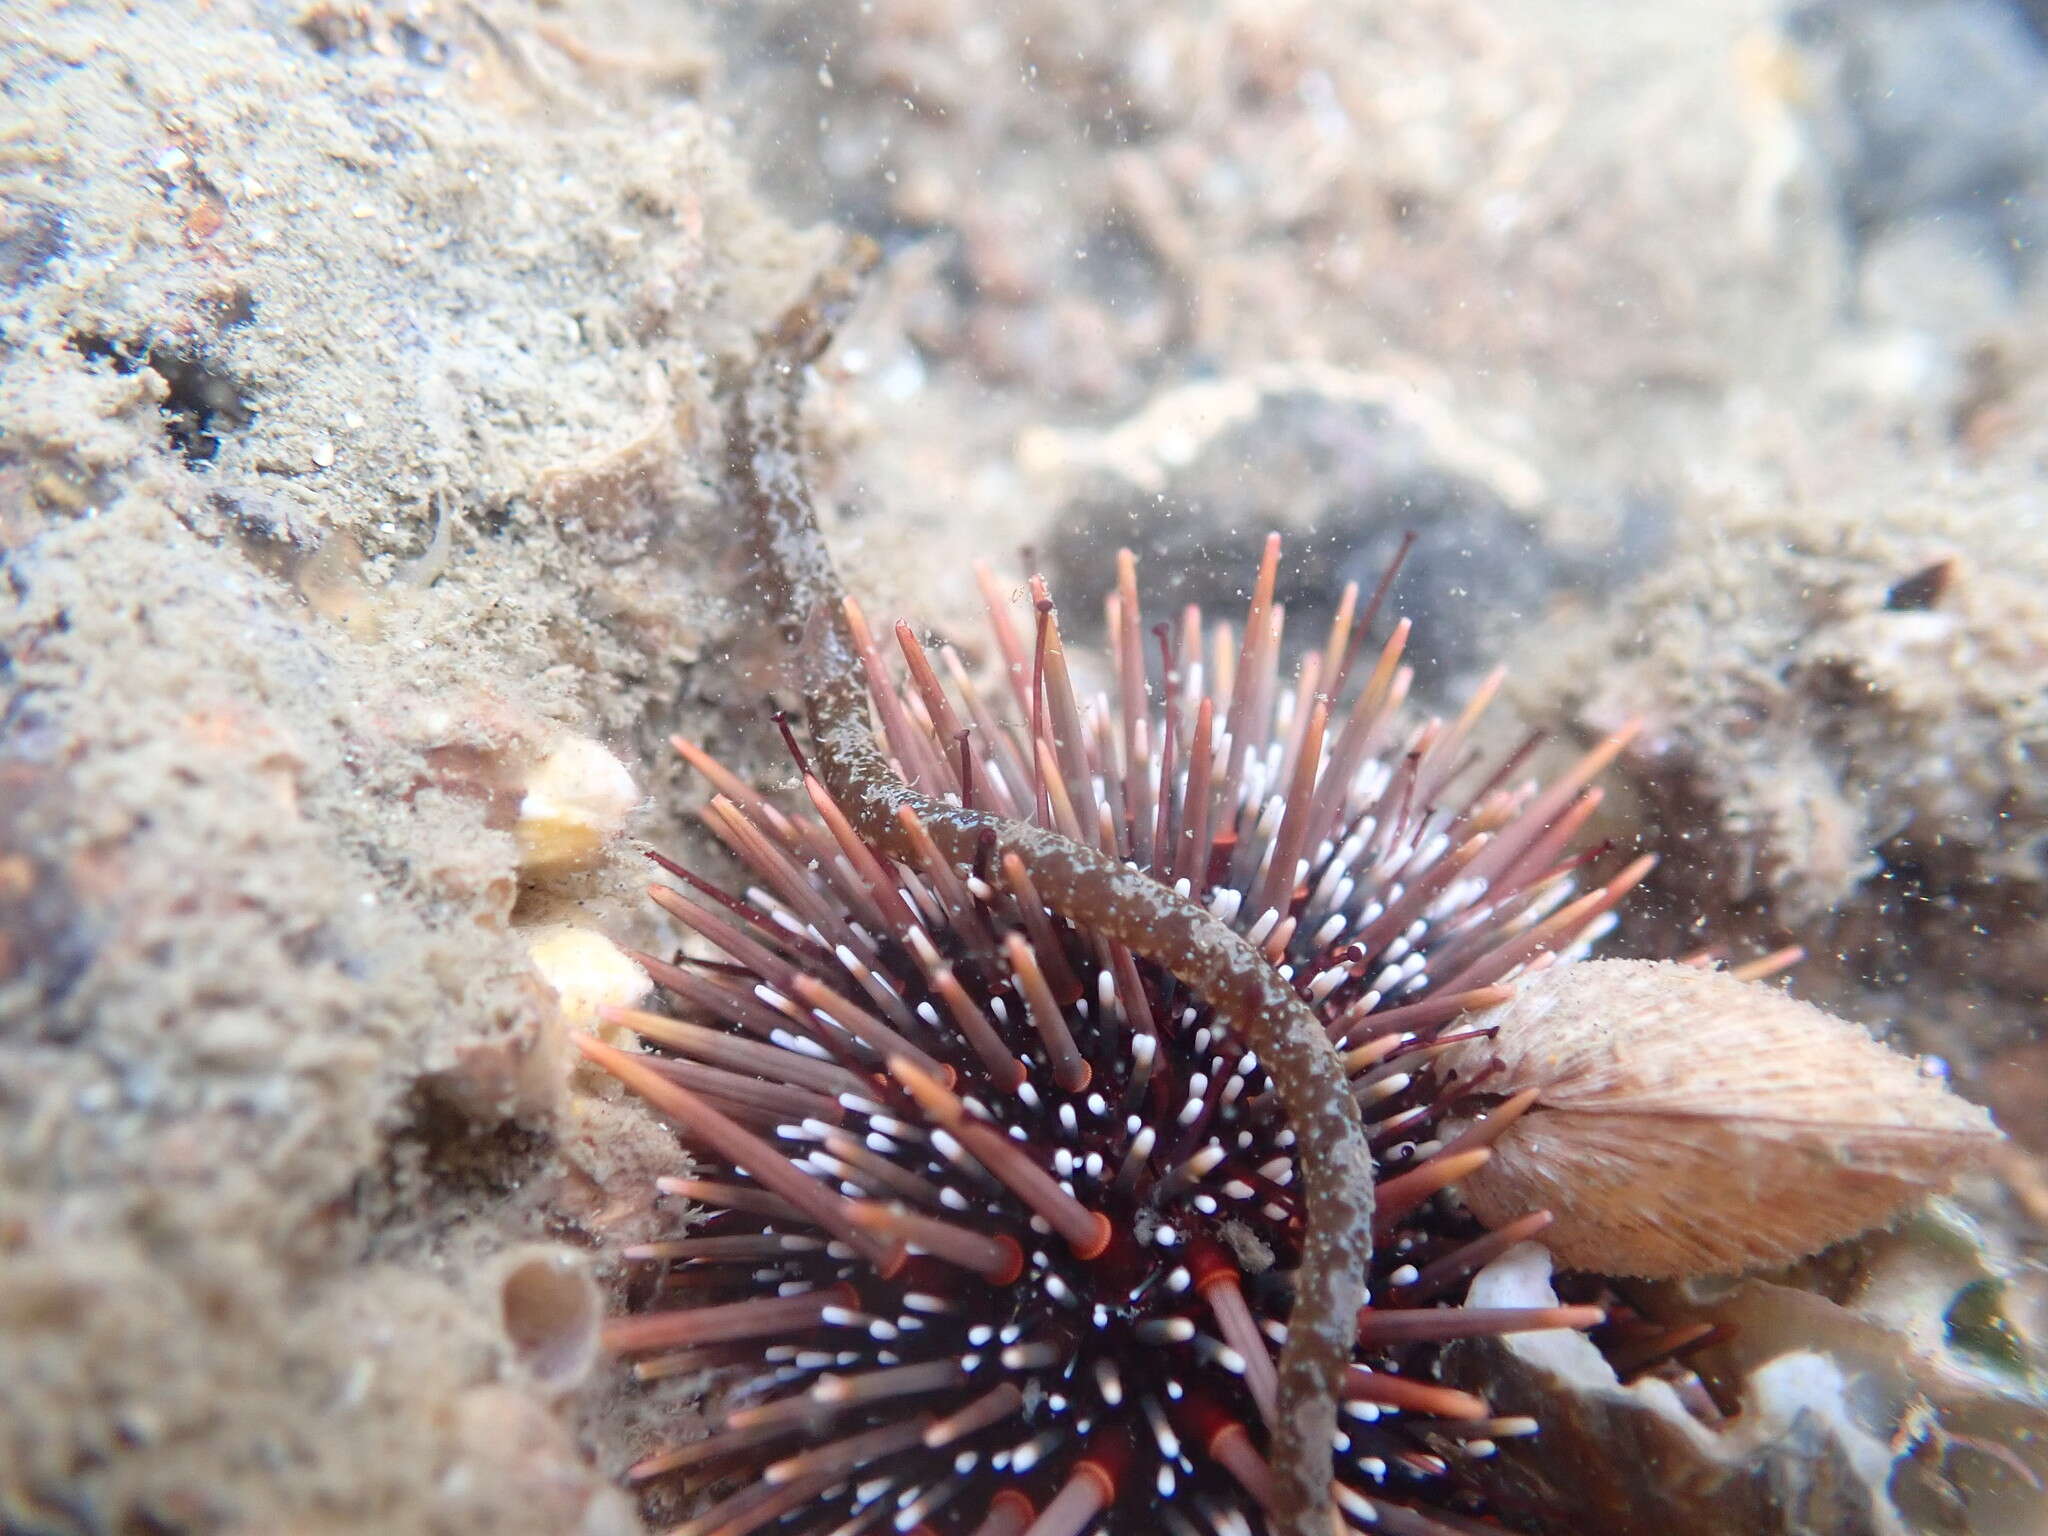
pixel 1078 882
pixel 1005 1225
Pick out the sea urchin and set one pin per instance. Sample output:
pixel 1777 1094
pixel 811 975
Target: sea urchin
pixel 1005 1225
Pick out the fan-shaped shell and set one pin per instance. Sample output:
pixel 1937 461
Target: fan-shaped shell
pixel 1690 1123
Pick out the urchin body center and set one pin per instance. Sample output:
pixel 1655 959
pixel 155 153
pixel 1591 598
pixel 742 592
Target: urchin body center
pixel 1035 1215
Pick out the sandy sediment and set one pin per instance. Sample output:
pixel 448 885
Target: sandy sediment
pixel 351 458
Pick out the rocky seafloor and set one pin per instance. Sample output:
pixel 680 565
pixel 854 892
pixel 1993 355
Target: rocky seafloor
pixel 360 458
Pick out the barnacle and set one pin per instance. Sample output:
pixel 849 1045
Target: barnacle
pixel 573 801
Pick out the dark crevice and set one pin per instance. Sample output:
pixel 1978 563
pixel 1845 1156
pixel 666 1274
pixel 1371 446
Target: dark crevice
pixel 203 402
